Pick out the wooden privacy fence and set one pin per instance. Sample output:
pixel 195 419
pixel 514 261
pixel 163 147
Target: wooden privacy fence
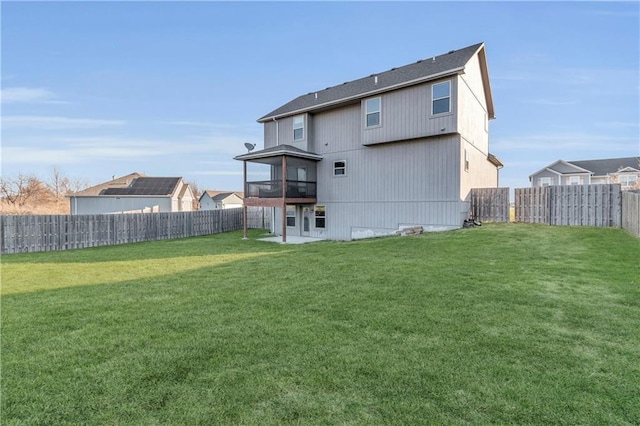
pixel 631 212
pixel 576 205
pixel 19 234
pixel 490 204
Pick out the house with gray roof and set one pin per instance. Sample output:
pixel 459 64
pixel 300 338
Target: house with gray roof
pixel 218 200
pixel 625 171
pixel 395 149
pixel 134 193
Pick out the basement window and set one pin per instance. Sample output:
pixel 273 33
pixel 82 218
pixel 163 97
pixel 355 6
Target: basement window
pixel 291 216
pixel 441 95
pixel 320 216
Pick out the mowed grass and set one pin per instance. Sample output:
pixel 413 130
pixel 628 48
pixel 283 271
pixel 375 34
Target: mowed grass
pixel 502 324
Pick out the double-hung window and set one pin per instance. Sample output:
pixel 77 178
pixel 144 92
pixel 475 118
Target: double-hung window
pixel 298 128
pixel 574 180
pixel 339 168
pixel 544 181
pixel 320 215
pixel 372 112
pixel 291 216
pixel 441 98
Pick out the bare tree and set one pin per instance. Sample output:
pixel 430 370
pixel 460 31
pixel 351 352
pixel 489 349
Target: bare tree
pixel 19 190
pixel 58 183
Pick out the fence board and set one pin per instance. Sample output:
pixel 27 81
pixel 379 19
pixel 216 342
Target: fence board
pixel 490 204
pixel 20 234
pixel 631 212
pixel 575 205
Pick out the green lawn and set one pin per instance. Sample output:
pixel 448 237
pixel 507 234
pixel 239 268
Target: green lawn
pixel 502 324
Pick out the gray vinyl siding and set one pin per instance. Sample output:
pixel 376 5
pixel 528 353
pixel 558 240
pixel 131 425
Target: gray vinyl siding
pixel 555 178
pixel 406 114
pixel 472 107
pixel 104 204
pixel 284 133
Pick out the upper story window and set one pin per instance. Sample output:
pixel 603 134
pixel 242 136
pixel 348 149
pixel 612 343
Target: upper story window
pixel 298 128
pixel 339 168
pixel 372 112
pixel 544 181
pixel 466 160
pixel 627 180
pixel 441 98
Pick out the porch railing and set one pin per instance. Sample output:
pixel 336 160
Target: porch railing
pixel 273 189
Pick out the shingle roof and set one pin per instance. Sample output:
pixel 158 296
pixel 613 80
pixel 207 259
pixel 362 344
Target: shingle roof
pixel 120 182
pixel 278 150
pixel 422 70
pixel 608 165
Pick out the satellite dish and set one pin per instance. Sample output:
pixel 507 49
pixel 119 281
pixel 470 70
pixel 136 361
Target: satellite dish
pixel 249 146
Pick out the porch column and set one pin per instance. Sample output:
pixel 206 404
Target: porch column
pixel 244 206
pixel 284 199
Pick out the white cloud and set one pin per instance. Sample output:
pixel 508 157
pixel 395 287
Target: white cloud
pixel 52 123
pixel 558 141
pixel 26 94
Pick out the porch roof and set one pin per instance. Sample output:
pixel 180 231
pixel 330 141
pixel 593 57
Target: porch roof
pixel 278 151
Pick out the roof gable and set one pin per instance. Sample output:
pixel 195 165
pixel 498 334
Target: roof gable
pixel 418 72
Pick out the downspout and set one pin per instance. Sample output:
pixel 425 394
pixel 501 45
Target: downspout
pixel 273 209
pixel 277 127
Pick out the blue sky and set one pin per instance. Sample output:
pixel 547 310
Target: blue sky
pixel 175 88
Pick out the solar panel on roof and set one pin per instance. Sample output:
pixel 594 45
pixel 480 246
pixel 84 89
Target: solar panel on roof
pixel 146 186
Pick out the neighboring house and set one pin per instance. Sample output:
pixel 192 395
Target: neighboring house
pixel 134 193
pixel 217 200
pixel 625 171
pixel 371 156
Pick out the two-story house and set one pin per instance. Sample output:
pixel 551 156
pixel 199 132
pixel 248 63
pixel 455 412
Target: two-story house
pixel 625 171
pixel 371 156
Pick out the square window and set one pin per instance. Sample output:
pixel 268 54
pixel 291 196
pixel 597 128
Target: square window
pixel 339 168
pixel 372 111
pixel 441 98
pixel 320 216
pixel 298 128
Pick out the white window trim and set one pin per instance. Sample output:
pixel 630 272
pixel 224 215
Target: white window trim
pixel 338 168
pixel 575 179
pixel 301 126
pixel 466 160
pixel 367 112
pixel 324 216
pixel 434 99
pixel 543 180
pixel 295 212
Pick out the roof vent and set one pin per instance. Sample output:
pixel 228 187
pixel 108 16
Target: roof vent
pixel 394 68
pixel 434 59
pixel 375 80
pixel 450 52
pixel 419 61
pixel 316 95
